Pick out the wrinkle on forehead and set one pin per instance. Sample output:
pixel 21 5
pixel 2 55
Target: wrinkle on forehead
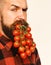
pixel 22 3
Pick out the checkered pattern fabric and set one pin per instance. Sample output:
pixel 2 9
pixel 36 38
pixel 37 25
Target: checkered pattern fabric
pixel 9 55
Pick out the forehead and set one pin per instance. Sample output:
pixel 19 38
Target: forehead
pixel 20 3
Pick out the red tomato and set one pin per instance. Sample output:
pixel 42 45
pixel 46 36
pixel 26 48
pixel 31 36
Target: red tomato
pixel 27 47
pixel 34 45
pixel 21 49
pixel 32 39
pixel 23 55
pixel 16 44
pixel 15 32
pixel 16 38
pixel 23 42
pixel 32 49
pixel 18 27
pixel 28 29
pixel 28 35
pixel 29 42
pixel 28 52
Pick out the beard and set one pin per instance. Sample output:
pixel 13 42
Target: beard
pixel 8 30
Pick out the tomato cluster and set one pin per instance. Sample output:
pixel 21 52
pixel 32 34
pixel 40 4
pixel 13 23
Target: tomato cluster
pixel 23 40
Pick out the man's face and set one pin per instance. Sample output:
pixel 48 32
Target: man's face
pixel 14 10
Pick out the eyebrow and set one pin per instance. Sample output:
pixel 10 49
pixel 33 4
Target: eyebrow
pixel 24 9
pixel 15 6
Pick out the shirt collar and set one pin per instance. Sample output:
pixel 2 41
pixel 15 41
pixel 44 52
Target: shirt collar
pixel 7 43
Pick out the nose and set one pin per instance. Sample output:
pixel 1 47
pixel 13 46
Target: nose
pixel 21 15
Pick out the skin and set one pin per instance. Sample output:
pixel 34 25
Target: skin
pixel 11 11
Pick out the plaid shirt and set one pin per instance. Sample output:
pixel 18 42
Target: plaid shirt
pixel 9 55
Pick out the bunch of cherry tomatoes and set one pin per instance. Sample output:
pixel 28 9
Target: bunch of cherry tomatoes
pixel 23 40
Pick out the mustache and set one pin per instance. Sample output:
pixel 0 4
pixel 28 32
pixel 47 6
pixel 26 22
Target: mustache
pixel 21 21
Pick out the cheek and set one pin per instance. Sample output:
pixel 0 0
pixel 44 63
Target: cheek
pixel 9 18
pixel 25 15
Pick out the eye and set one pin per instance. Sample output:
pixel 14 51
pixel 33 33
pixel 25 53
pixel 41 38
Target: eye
pixel 25 9
pixel 14 9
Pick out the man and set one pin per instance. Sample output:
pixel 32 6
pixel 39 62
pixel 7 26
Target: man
pixel 12 11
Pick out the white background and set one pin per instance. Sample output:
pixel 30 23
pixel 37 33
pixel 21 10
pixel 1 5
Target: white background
pixel 39 18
